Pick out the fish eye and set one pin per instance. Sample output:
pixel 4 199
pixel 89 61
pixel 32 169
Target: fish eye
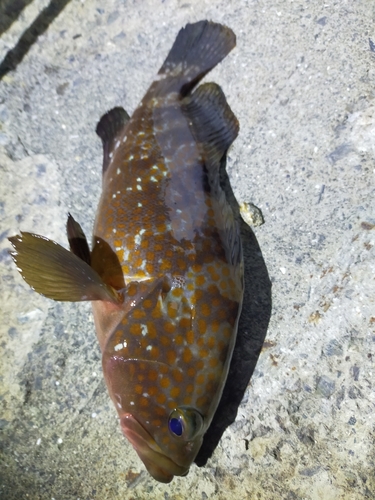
pixel 185 423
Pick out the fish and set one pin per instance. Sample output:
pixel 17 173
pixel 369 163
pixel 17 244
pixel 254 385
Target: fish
pixel 165 273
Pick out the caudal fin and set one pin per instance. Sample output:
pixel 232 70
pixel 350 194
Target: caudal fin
pixel 198 48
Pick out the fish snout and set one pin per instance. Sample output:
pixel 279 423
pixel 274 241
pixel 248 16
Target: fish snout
pixel 160 466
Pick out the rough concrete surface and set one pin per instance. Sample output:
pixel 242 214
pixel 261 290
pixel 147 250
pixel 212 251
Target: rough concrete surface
pixel 302 84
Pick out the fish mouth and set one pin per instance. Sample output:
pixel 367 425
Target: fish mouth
pixel 161 467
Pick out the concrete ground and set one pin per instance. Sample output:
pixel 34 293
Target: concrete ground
pixel 302 84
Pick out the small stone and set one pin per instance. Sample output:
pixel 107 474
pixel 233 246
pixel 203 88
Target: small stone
pixel 251 214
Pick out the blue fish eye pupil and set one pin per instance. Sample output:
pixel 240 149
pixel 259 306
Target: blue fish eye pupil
pixel 175 426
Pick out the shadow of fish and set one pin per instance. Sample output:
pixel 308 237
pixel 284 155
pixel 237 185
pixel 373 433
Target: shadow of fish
pixel 165 273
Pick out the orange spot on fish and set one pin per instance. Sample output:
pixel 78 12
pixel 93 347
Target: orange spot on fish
pixel 179 340
pixel 205 309
pixel 202 326
pixel 160 399
pixel 135 329
pixel 169 327
pixel 164 382
pixel 190 337
pixel 200 379
pixel 143 401
pixel 203 353
pixel 157 313
pixel 138 389
pixel 171 357
pixel 151 328
pixel 215 325
pixel 187 355
pixel 175 392
pixel 139 313
pixel 177 374
pixel 152 390
pixel 149 268
pixel 132 289
pixel 155 352
pixel 211 342
pixel 165 340
pixel 200 280
pixel 213 362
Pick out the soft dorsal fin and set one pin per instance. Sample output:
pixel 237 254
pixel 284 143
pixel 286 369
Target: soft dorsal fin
pixel 77 239
pixel 108 129
pixel 212 121
pixel 215 127
pixel 57 273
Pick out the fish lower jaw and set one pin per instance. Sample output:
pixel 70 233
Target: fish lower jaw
pixel 161 467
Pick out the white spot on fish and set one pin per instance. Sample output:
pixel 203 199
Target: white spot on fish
pixel 139 179
pixel 144 330
pixel 114 195
pixel 132 403
pixel 117 144
pixel 141 231
pixel 141 132
pixel 119 405
pixel 111 155
pixel 145 395
pixel 139 187
pixel 148 348
pixel 129 189
pixel 124 139
pixel 155 167
pixel 131 157
pixel 120 346
pixel 144 157
pixel 139 204
pixel 153 179
pixel 137 239
pixel 118 171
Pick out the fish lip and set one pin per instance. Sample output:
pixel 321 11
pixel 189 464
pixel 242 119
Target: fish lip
pixel 161 467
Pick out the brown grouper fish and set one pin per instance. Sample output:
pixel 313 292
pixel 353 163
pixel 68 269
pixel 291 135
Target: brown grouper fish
pixel 165 273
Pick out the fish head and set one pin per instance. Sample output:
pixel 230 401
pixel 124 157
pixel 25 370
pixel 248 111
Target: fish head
pixel 165 367
pixel 165 434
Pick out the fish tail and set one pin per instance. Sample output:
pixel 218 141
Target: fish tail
pixel 198 48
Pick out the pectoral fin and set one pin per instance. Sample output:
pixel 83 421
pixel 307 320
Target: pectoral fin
pixel 57 273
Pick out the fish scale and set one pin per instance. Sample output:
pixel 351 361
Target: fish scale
pixel 165 274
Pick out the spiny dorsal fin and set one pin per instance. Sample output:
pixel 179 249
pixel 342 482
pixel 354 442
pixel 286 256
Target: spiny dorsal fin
pixel 108 129
pixel 198 48
pixel 213 123
pixel 57 273
pixel 77 239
